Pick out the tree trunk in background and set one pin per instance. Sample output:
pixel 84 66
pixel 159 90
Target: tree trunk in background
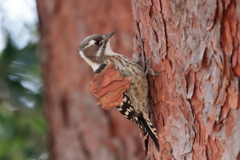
pixel 195 99
pixel 78 128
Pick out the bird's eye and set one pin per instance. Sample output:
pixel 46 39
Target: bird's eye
pixel 97 43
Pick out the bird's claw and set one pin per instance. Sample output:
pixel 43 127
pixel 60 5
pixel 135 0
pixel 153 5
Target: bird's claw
pixel 149 69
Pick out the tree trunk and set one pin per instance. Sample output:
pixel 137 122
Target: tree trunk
pixel 195 47
pixel 78 128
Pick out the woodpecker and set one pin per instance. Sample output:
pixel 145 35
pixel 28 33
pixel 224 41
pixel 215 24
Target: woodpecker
pixel 97 52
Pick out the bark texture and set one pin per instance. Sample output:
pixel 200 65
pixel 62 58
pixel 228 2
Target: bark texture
pixel 194 44
pixel 78 128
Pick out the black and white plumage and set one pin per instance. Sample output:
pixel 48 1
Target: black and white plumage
pixel 143 123
pixel 96 51
pixel 127 109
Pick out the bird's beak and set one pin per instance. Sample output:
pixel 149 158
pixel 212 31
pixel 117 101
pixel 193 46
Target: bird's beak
pixel 108 36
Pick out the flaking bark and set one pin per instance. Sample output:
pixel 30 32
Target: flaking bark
pixel 195 99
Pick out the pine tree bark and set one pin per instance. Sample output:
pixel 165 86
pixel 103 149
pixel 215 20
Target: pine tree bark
pixel 78 128
pixel 194 45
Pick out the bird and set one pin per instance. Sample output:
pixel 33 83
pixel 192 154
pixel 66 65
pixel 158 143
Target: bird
pixel 96 51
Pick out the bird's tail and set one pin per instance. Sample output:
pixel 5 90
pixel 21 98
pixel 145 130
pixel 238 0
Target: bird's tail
pixel 149 128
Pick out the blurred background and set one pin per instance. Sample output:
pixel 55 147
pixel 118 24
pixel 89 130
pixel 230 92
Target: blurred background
pixel 22 124
pixel 38 56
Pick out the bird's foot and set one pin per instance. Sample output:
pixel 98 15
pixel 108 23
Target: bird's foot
pixel 149 69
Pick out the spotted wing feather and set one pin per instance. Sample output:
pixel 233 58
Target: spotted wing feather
pixel 127 109
pixel 142 121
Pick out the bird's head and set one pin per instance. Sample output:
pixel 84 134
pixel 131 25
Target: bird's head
pixel 93 49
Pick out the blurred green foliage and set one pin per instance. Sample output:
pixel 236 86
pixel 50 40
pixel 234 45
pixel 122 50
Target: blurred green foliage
pixel 22 123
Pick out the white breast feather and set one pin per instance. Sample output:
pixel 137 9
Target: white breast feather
pixel 109 51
